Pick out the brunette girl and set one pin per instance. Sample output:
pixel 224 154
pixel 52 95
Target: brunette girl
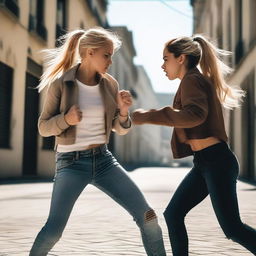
pixel 199 130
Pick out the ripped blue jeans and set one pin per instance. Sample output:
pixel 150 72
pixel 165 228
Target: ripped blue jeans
pixel 97 166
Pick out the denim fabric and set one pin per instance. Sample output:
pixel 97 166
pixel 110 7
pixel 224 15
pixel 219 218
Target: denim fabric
pixel 215 173
pixel 74 171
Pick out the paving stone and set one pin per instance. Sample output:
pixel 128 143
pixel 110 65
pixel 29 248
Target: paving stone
pixel 100 227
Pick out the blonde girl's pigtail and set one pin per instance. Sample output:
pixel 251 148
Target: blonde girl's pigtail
pixel 60 59
pixel 215 69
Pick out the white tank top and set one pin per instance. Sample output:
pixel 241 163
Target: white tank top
pixel 91 129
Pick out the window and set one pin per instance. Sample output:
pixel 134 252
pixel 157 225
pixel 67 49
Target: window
pixel 61 18
pixel 36 18
pixel 12 6
pixel 211 25
pixel 252 23
pixel 239 50
pixel 34 71
pixel 248 125
pixel 6 80
pixel 219 31
pixel 48 143
pixel 229 39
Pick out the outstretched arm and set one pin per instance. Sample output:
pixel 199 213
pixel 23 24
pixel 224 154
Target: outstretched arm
pixel 193 112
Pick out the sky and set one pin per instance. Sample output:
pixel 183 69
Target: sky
pixel 153 23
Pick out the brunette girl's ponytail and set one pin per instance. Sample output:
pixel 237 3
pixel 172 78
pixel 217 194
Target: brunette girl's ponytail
pixel 215 69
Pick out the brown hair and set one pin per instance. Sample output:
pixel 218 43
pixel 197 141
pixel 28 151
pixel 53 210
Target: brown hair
pixel 199 50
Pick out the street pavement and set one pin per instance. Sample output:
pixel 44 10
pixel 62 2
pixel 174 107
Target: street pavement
pixel 100 227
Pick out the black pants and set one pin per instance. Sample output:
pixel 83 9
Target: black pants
pixel 215 173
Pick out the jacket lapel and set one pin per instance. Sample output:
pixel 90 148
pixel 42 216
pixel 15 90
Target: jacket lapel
pixel 108 94
pixel 109 102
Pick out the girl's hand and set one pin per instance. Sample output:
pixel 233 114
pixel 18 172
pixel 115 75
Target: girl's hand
pixel 124 101
pixel 74 115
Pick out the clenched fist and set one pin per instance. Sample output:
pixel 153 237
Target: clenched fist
pixel 124 101
pixel 74 115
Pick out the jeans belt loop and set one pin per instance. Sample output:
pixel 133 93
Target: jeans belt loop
pixel 103 148
pixel 77 155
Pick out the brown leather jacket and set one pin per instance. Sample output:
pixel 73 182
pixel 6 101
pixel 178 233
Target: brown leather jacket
pixel 62 94
pixel 196 113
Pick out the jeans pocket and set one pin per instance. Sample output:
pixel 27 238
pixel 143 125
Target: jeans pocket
pixel 64 160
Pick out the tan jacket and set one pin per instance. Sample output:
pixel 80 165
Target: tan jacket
pixel 196 113
pixel 63 93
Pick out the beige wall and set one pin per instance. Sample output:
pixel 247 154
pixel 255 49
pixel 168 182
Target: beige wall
pixel 13 53
pixel 17 44
pixel 78 12
pixel 15 40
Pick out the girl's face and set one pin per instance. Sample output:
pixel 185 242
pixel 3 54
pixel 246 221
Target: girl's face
pixel 101 58
pixel 172 66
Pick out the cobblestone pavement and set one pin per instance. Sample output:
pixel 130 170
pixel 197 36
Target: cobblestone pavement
pixel 99 226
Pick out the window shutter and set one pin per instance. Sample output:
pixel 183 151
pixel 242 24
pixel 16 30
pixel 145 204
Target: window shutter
pixel 6 81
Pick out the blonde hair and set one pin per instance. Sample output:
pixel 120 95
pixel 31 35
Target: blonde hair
pixel 201 51
pixel 60 59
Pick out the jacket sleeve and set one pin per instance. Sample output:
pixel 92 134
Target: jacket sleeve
pixel 118 127
pixel 193 112
pixel 51 122
pixel 121 128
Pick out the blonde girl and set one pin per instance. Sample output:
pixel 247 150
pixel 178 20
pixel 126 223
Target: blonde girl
pixel 83 105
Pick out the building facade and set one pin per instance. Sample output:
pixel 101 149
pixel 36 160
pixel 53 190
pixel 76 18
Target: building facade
pixel 231 23
pixel 27 27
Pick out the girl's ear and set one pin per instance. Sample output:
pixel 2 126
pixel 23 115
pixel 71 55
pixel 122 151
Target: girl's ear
pixel 182 59
pixel 90 51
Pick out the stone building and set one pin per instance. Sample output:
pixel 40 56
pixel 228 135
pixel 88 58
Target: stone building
pixel 27 27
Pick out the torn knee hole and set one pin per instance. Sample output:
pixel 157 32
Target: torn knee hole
pixel 149 215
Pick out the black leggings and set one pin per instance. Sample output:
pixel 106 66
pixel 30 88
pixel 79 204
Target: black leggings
pixel 215 173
